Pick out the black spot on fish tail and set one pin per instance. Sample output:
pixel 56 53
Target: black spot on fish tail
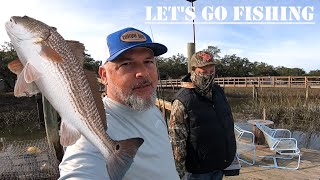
pixel 120 161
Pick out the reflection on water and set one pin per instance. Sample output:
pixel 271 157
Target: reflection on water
pixel 17 134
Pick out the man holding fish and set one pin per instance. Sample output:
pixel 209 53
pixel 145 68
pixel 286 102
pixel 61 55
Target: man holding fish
pixel 135 142
pixel 130 76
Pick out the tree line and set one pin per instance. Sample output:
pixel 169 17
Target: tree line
pixel 174 67
pixel 229 66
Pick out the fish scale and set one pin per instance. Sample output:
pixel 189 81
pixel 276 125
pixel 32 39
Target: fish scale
pixel 72 70
pixel 48 62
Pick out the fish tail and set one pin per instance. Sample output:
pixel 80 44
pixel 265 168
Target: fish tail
pixel 120 161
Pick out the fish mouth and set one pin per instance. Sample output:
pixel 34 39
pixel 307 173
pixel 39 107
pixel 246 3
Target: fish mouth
pixel 9 28
pixel 18 32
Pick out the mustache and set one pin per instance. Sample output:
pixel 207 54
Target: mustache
pixel 142 84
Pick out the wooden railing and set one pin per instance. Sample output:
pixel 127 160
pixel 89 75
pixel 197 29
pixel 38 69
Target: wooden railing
pixel 267 81
pixel 163 104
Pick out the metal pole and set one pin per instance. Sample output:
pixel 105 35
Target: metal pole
pixel 191 50
pixel 191 46
pixel 194 34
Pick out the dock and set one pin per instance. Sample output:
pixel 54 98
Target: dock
pixel 256 82
pixel 309 167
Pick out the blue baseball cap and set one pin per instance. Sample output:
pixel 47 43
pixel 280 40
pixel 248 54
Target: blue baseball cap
pixel 125 39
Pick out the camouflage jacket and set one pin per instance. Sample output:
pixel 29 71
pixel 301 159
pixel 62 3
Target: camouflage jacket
pixel 178 132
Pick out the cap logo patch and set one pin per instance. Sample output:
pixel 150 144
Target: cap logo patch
pixel 205 56
pixel 133 36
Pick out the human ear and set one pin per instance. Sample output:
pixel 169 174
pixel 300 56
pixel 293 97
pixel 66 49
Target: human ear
pixel 103 75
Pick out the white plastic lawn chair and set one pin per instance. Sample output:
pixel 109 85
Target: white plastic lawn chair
pixel 245 144
pixel 285 147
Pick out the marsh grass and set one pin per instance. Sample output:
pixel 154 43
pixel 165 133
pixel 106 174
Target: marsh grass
pixel 18 116
pixel 288 108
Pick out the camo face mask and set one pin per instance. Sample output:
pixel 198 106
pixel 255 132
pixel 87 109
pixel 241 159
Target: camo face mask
pixel 202 82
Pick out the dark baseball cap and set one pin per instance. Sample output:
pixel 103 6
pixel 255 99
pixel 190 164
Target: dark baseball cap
pixel 125 39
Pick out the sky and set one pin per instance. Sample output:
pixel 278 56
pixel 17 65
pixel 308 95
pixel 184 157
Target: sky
pixel 90 21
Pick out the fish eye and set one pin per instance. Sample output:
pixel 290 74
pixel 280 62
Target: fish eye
pixel 25 16
pixel 12 20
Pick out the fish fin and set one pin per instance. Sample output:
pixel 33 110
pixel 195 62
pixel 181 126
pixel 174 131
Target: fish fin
pixel 68 135
pixel 48 52
pixel 15 66
pixel 38 40
pixel 94 86
pixel 30 73
pixel 77 49
pixel 120 161
pixel 22 88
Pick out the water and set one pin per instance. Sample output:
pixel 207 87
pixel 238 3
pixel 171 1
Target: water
pixel 305 140
pixel 27 127
pixel 245 108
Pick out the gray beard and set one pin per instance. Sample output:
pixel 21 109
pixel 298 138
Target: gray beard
pixel 139 104
pixel 133 101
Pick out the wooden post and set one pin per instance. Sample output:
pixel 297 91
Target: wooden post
pixel 306 82
pixel 191 48
pixel 163 111
pixel 40 108
pixel 245 81
pixel 307 95
pixel 254 92
pixel 173 84
pixel 273 81
pixel 52 129
pixel 289 81
pixel 164 114
pixel 258 136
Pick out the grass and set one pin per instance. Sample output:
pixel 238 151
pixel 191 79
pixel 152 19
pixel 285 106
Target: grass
pixel 288 108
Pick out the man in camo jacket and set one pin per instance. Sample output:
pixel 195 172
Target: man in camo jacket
pixel 201 124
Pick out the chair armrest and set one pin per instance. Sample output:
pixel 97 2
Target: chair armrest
pixel 277 147
pixel 249 133
pixel 282 130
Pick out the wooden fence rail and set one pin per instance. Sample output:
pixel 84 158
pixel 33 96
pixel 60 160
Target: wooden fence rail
pixel 267 81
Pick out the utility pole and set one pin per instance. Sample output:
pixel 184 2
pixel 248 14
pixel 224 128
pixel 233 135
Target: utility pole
pixel 191 47
pixel 193 26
